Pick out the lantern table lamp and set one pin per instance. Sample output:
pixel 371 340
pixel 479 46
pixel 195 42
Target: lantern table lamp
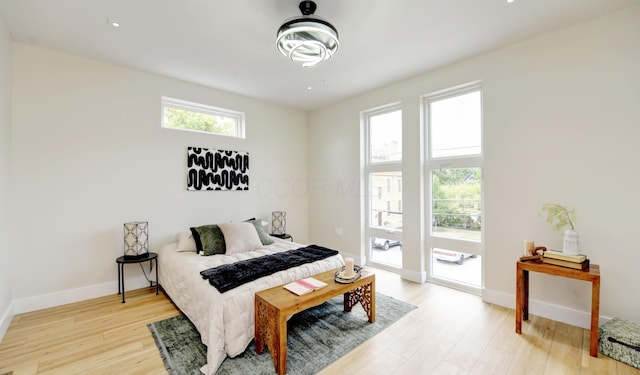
pixel 278 222
pixel 136 239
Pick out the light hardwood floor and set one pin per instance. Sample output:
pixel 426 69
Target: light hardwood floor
pixel 450 332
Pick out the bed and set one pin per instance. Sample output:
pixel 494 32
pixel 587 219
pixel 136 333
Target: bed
pixel 225 320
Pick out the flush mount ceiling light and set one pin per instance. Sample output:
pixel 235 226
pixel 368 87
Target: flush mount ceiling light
pixel 113 23
pixel 308 39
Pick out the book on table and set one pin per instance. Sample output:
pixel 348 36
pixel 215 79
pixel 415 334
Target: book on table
pixel 554 254
pixel 304 286
pixel 565 263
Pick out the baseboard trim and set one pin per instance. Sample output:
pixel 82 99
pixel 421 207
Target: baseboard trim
pixel 544 309
pixel 5 322
pixel 419 277
pixel 28 304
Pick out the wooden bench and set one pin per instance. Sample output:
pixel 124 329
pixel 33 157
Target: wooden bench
pixel 273 307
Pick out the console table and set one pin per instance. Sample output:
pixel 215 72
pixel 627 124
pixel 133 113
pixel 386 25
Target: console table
pixel 522 292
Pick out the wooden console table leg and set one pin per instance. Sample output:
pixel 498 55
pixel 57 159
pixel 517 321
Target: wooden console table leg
pixel 522 297
pixel 525 295
pixel 519 297
pixel 595 315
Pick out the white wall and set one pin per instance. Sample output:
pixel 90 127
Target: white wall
pixel 561 124
pixel 5 145
pixel 89 155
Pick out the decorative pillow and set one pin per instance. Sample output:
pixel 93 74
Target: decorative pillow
pixel 264 237
pixel 186 242
pixel 240 237
pixel 209 239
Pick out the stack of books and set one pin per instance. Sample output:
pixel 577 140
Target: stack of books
pixel 579 262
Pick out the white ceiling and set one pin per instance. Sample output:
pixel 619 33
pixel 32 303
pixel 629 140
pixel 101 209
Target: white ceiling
pixel 230 44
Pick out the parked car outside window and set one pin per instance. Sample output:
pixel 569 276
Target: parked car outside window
pixel 384 243
pixel 451 256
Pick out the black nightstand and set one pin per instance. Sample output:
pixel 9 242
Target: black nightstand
pixel 283 236
pixel 121 261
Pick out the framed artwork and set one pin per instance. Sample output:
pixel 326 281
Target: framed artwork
pixel 210 169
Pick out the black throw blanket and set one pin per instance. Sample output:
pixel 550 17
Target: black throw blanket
pixel 229 276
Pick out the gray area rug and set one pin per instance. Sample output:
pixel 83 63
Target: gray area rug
pixel 316 338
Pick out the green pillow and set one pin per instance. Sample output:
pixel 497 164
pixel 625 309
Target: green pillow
pixel 264 237
pixel 209 239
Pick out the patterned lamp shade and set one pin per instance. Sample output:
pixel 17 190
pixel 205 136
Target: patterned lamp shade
pixel 278 222
pixel 136 239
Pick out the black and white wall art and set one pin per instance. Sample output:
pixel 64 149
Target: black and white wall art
pixel 210 169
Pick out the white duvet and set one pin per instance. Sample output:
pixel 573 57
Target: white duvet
pixel 225 321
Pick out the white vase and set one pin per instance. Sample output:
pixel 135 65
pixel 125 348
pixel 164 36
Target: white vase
pixel 570 242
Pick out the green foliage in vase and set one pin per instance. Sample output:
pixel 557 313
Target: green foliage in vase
pixel 559 216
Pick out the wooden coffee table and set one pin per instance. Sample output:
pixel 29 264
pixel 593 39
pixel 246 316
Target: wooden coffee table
pixel 273 307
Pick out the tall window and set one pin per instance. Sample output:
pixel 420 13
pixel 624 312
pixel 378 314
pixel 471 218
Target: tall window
pixel 383 169
pixel 454 170
pixel 184 115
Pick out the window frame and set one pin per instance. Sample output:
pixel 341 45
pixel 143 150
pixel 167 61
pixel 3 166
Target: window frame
pixel 370 168
pixel 237 116
pixel 451 162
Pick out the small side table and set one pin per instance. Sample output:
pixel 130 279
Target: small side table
pixel 591 275
pixel 283 236
pixel 121 261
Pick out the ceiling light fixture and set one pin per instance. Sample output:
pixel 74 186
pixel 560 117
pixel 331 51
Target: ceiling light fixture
pixel 308 39
pixel 113 23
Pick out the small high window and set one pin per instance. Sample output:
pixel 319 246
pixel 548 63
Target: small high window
pixel 184 115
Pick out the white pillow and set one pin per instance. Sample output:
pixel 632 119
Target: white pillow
pixel 186 241
pixel 240 237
